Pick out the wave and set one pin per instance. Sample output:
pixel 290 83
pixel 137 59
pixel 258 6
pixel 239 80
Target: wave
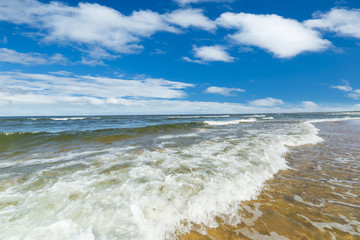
pixel 333 119
pixel 108 135
pixel 199 116
pixel 150 193
pixel 35 119
pixel 346 113
pixel 68 118
pixel 218 123
pixel 178 136
pixel 61 118
pixel 257 115
pixel 268 118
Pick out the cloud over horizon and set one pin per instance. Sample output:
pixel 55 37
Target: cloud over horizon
pixel 266 102
pixel 27 88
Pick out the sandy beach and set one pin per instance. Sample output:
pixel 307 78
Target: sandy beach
pixel 316 198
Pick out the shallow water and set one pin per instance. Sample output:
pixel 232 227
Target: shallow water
pixel 158 177
pixel 316 198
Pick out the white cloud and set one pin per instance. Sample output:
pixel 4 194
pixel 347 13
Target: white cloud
pixel 26 88
pixel 215 53
pixel 186 2
pixel 224 91
pixel 266 102
pixel 351 93
pixel 346 87
pixel 98 27
pixel 62 73
pixel 4 40
pixel 354 95
pixel 12 56
pixel 187 59
pixel 342 21
pixel 283 37
pixel 309 106
pixel 65 93
pixel 190 18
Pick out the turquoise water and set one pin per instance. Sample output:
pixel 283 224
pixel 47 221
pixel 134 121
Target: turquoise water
pixel 139 177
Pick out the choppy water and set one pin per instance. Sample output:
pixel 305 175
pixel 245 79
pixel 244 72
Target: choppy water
pixel 139 177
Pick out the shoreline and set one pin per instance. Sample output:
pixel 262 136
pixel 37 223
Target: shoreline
pixel 314 199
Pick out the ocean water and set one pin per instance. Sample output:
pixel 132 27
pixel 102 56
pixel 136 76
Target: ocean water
pixel 140 177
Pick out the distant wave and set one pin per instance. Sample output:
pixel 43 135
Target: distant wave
pixel 346 113
pixel 218 123
pixel 257 115
pixel 268 118
pixel 199 116
pixel 333 119
pixel 68 118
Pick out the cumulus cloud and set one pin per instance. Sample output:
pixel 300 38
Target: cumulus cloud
pixel 86 23
pixel 309 106
pixel 190 18
pixel 29 88
pixel 12 56
pixel 97 26
pixel 215 53
pixel 344 22
pixel 266 102
pixel 283 37
pixel 345 87
pixel 223 91
pixel 351 93
pixel 187 59
pixel 354 95
pixel 186 2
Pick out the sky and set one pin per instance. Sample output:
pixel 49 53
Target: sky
pixel 96 57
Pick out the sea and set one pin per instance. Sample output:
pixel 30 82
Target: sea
pixel 247 176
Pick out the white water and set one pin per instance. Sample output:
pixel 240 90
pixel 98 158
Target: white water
pixel 145 193
pixel 218 123
pixel 68 118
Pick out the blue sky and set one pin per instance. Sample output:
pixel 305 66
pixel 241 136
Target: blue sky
pixel 180 56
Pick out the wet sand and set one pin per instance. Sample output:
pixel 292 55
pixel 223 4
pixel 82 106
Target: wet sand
pixel 316 198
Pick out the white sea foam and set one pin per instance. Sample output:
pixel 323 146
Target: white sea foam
pixel 333 119
pixel 178 136
pixel 217 123
pixel 347 228
pixel 257 116
pixel 268 118
pixel 145 193
pixel 68 118
pixel 14 133
pixel 200 116
pixel 346 113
